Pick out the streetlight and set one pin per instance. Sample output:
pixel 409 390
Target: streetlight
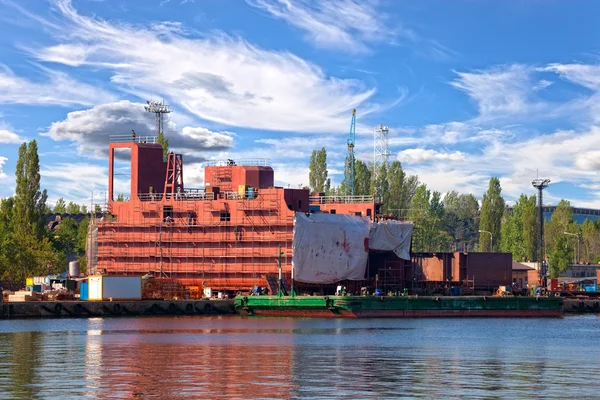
pixel 577 236
pixel 491 239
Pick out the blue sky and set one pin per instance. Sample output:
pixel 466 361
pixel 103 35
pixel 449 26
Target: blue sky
pixel 469 89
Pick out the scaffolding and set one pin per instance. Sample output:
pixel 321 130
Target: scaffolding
pixel 226 243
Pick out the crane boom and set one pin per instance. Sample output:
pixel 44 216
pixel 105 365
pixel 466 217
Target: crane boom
pixel 349 170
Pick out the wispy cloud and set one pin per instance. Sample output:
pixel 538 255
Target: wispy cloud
pixel 346 24
pixel 242 85
pixel 55 88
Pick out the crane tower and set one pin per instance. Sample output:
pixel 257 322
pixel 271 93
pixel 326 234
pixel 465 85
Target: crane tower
pixel 349 169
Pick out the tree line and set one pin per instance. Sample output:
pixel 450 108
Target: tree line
pixel 459 222
pixel 27 246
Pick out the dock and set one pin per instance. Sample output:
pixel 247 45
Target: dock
pixel 88 309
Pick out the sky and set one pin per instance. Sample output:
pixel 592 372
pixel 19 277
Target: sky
pixel 468 89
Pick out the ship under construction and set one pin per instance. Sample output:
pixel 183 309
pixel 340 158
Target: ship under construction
pixel 232 235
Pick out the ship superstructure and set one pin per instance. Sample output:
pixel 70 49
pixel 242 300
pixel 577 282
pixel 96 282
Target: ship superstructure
pixel 230 235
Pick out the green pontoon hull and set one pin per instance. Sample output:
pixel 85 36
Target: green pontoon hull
pixel 401 306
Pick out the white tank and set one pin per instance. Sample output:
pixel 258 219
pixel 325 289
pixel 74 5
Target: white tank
pixel 74 269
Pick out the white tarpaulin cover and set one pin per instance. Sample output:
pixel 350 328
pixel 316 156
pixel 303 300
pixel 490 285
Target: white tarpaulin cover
pixel 391 236
pixel 328 248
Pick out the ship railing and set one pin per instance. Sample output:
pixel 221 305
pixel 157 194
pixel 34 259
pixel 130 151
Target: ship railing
pixel 184 196
pixel 340 199
pixel 132 139
pixel 243 162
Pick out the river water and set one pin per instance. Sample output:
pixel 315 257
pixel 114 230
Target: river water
pixel 235 357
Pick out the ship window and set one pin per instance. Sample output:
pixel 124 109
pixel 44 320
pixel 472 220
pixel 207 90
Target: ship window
pixel 225 217
pixel 167 212
pixel 332 212
pixel 299 204
pixel 369 212
pixel 358 213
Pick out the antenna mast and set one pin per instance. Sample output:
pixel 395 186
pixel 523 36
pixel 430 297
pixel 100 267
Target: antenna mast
pixel 381 156
pixel 349 172
pixel 540 184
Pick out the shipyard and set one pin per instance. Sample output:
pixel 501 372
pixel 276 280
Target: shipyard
pixel 299 199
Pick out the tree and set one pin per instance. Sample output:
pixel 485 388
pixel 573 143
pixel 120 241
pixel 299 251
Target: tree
pixel 492 209
pixel 519 229
pixel 317 175
pixel 29 201
pixel 461 216
pixel 32 249
pixel 397 197
pixel 419 215
pixel 362 178
pixel 120 197
pixel 590 240
pixel 164 142
pixel 60 207
pixel 73 208
pixel 560 256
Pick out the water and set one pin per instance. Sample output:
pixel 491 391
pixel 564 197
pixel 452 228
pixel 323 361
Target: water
pixel 233 357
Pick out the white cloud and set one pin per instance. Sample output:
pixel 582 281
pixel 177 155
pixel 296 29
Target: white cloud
pixel 2 173
pixel 56 88
pixel 90 129
pixel 581 74
pixel 9 137
pixel 345 24
pixel 498 90
pixel 589 160
pixel 417 156
pixel 223 79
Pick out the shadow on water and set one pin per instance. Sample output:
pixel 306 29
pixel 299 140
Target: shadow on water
pixel 296 358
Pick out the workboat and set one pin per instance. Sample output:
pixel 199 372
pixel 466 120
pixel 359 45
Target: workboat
pixel 399 306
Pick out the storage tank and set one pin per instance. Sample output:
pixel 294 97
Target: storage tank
pixel 74 269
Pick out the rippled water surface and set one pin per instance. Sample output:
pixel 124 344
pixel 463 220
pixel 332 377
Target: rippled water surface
pixel 232 357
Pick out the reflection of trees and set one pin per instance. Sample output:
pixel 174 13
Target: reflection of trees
pixel 21 352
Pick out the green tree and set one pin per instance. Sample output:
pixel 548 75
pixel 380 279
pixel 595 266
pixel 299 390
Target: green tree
pixel 120 197
pixel 590 240
pixel 519 229
pixel 29 200
pixel 73 208
pixel 164 142
pixel 7 246
pixel 362 178
pixel 560 256
pixel 60 207
pixel 492 209
pixel 32 249
pixel 317 175
pixel 419 215
pixel 461 219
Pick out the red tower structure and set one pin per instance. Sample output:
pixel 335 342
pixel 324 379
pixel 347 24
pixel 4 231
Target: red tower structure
pixel 226 236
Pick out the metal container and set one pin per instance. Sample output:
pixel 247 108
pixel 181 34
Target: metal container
pixel 114 288
pixel 83 291
pixel 74 268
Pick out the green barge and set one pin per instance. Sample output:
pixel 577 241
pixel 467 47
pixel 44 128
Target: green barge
pixel 399 306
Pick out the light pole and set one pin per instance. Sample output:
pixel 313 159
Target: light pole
pixel 491 239
pixel 577 236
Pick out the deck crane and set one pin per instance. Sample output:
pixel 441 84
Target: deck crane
pixel 349 169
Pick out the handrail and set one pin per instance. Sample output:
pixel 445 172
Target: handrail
pixel 132 139
pixel 232 163
pixel 340 199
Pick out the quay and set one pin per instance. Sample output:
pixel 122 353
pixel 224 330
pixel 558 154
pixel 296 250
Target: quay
pixel 90 309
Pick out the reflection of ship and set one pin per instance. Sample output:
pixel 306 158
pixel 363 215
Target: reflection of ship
pixel 226 236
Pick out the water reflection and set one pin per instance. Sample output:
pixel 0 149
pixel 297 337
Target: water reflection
pixel 287 358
